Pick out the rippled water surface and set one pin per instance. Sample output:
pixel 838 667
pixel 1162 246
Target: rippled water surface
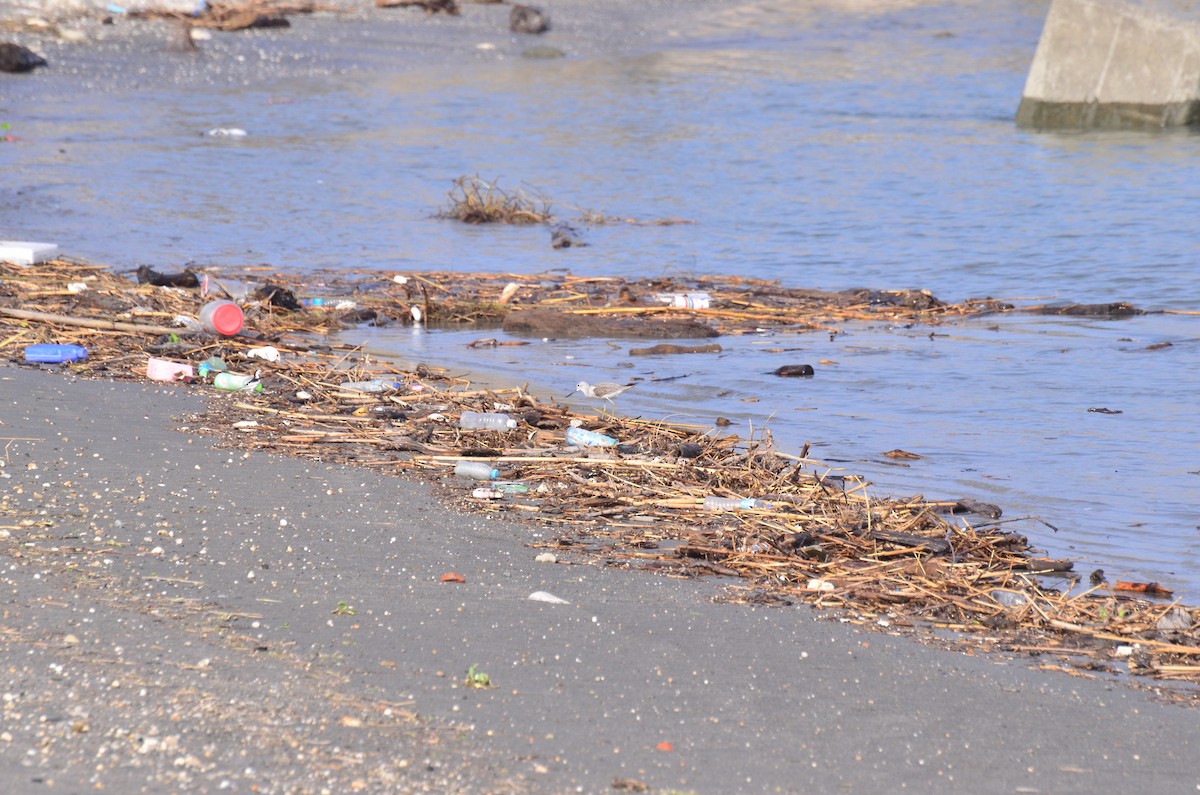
pixel 821 147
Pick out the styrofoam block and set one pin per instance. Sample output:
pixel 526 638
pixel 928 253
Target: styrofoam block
pixel 25 253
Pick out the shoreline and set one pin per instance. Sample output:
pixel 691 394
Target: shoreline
pixel 328 570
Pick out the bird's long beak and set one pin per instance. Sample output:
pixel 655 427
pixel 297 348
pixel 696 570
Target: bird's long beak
pixel 572 392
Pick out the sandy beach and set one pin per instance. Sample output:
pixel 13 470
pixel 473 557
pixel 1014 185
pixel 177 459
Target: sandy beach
pixel 185 618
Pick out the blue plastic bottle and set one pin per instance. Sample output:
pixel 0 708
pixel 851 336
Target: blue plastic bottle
pixel 55 353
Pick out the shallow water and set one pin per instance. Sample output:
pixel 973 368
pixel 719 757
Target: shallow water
pixel 825 148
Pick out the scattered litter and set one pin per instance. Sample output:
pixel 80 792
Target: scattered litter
pixel 543 596
pixel 52 353
pixel 266 353
pixel 547 557
pixel 23 253
pixel 163 370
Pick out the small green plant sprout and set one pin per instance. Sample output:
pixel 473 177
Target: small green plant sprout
pixel 343 609
pixel 477 678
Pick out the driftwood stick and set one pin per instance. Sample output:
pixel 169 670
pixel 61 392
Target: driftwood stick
pixel 104 325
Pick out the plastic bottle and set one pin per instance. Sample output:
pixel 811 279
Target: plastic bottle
pixel 213 364
pixel 476 470
pixel 229 382
pixel 54 354
pixel 687 300
pixel 374 385
pixel 712 503
pixel 586 438
pixel 486 421
pixel 327 303
pixel 221 317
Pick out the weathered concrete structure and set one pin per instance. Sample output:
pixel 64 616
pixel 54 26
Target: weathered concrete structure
pixel 1115 64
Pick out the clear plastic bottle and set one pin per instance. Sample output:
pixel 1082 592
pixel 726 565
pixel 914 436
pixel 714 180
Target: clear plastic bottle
pixel 585 438
pixel 374 385
pixel 486 421
pixel 712 503
pixel 476 470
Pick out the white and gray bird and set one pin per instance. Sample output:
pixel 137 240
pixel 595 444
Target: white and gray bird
pixel 604 391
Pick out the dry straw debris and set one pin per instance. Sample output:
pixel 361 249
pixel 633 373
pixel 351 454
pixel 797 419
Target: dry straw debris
pixel 812 535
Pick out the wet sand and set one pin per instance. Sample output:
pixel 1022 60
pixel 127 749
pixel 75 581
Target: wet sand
pixel 184 617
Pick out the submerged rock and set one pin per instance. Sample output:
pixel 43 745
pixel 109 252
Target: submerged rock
pixel 528 19
pixel 15 58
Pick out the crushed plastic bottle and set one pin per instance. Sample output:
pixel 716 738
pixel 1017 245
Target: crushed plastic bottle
pixel 713 503
pixel 1010 598
pixel 476 470
pixel 585 438
pixel 485 421
pixel 213 364
pixel 231 382
pixel 374 385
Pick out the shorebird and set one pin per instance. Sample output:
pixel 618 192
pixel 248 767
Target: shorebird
pixel 604 391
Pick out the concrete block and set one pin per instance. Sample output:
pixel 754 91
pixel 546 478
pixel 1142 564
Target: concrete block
pixel 21 253
pixel 1115 64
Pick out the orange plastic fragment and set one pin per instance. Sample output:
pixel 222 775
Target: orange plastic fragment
pixel 453 576
pixel 1142 587
pixel 665 746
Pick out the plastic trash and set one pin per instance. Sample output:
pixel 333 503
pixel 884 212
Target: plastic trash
pixel 52 353
pixel 546 596
pixel 510 486
pixel 712 503
pixel 163 370
pixel 585 438
pixel 267 353
pixel 374 385
pixel 1009 598
pixel 487 494
pixel 227 132
pixel 221 317
pixel 24 252
pixel 686 300
pixel 213 364
pixel 476 470
pixel 230 382
pixel 486 421
pixel 326 303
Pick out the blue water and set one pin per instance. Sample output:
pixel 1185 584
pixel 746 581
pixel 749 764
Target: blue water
pixel 821 148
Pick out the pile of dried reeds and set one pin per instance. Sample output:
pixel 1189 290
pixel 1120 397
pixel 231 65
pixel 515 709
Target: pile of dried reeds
pixel 474 201
pixel 811 535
